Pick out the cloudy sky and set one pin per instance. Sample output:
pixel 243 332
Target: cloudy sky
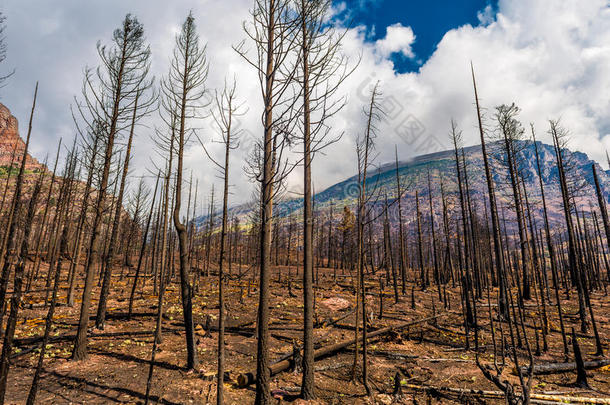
pixel 551 57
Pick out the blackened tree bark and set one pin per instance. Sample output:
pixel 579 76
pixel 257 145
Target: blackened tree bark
pixel 602 204
pixel 13 254
pixel 272 32
pixel 495 223
pixel 437 277
pixel 43 222
pixel 141 106
pixel 92 150
pixel 558 134
pixel 226 109
pixel 364 146
pixel 401 241
pixel 322 70
pixel 511 131
pixel 124 71
pixel 143 248
pixel 183 89
pixel 56 264
pixel 550 246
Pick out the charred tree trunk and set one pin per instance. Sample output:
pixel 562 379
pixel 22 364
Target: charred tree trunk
pixel 107 265
pixel 13 251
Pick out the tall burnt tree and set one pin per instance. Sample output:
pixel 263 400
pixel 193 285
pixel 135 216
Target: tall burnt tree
pixel 43 222
pixel 510 132
pixel 143 248
pixel 142 104
pixel 401 232
pixel 322 69
pixel 183 90
pixel 272 32
pixel 602 204
pixel 437 278
pixel 31 211
pixel 91 147
pixel 10 252
pixel 226 110
pixel 59 251
pixel 108 97
pixel 364 149
pixel 456 138
pixel 495 222
pixel 13 257
pixel 559 135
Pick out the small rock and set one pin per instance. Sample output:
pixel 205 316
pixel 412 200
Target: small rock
pixel 336 304
pixel 384 399
pixel 279 394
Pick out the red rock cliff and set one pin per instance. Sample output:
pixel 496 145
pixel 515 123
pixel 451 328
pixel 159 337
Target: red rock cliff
pixel 11 141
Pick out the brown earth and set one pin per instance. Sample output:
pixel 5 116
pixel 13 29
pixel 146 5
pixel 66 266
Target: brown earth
pixel 430 354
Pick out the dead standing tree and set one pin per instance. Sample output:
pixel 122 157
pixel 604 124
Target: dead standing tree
pixel 13 255
pixel 601 200
pixel 403 239
pixel 143 248
pixel 59 252
pixel 225 111
pixel 569 186
pixel 495 222
pixel 91 145
pixel 272 32
pixel 183 90
pixel 510 132
pixel 365 146
pixel 142 104
pixel 108 97
pixel 322 70
pixel 42 228
pixel 136 206
pixel 10 244
pixel 463 271
pixel 550 246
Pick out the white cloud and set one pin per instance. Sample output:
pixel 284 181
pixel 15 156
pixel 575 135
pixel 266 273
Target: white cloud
pixel 486 16
pixel 551 58
pixel 398 39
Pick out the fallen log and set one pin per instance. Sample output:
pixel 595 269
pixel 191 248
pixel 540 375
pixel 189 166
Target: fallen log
pixel 565 399
pixel 556 368
pixel 36 341
pixel 245 379
pixel 70 336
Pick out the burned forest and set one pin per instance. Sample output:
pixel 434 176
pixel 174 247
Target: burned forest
pixel 170 249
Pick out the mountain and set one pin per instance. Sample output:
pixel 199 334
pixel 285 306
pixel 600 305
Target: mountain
pixel 441 165
pixel 12 147
pixel 11 143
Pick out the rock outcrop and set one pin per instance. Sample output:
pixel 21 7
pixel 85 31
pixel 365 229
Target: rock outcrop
pixel 10 142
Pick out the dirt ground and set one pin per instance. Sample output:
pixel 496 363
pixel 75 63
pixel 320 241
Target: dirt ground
pixel 427 354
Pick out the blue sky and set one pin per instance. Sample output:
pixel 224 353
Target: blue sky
pixel 552 58
pixel 430 20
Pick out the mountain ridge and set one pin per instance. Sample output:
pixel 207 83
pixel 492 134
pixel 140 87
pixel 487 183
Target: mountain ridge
pixel 413 173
